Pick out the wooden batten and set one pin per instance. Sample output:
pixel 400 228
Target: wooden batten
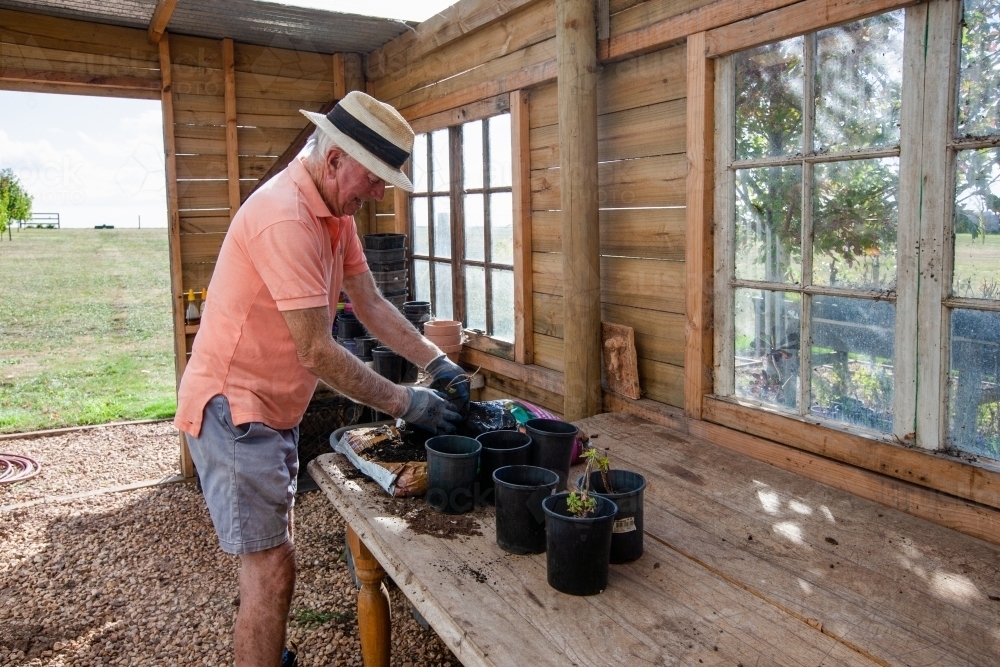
pixel 174 234
pixel 161 17
pixel 521 187
pixel 581 288
pixel 232 142
pixel 698 359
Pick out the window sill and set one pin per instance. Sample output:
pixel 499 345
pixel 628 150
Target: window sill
pixel 968 477
pixel 489 345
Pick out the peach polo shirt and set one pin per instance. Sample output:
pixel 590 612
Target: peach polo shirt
pixel 284 251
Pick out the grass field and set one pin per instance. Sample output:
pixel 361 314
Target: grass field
pixel 85 328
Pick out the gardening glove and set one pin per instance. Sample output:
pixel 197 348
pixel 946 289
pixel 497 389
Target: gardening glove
pixel 452 380
pixel 430 410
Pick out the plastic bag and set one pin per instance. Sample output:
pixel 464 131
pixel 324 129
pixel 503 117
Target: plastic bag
pixel 488 416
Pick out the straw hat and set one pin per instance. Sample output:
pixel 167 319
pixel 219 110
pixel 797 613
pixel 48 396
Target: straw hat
pixel 371 132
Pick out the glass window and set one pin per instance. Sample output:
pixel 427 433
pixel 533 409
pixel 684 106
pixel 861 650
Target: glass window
pixel 481 230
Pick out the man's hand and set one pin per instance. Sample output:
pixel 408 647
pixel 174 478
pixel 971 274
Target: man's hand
pixel 429 409
pixel 452 380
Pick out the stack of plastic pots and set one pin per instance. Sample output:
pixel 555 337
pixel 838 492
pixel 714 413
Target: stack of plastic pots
pixel 386 255
pixel 418 313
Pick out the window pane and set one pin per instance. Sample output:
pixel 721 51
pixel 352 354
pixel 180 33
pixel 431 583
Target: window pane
pixel 769 100
pixel 421 244
pixel 442 291
pixel 442 227
pixel 769 224
pixel 472 154
pixel 852 361
pixel 421 280
pixel 475 298
pixel 418 160
pixel 500 171
pixel 979 87
pixel 977 225
pixel 440 172
pixel 502 228
pixel 475 239
pixel 767 346
pixel 859 79
pixel 854 223
pixel 974 415
pixel 503 304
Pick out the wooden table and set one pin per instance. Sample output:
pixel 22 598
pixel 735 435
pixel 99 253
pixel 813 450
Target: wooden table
pixel 744 564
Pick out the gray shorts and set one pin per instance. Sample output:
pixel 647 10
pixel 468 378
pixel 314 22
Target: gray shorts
pixel 248 474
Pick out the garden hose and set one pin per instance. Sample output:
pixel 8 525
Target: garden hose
pixel 15 468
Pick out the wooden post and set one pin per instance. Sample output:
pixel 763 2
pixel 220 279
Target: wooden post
pixel 698 357
pixel 174 232
pixel 576 49
pixel 374 625
pixel 232 150
pixel 524 327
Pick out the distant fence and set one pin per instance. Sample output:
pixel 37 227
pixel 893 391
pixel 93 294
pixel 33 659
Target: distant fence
pixel 46 220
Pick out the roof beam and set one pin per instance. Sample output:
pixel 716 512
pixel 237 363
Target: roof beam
pixel 161 17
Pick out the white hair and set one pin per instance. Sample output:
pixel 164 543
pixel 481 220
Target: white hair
pixel 317 147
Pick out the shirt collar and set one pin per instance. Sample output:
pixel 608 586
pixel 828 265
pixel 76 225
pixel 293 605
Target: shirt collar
pixel 303 180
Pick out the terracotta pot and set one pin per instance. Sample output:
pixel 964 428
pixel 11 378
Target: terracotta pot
pixel 448 349
pixel 442 328
pixel 442 341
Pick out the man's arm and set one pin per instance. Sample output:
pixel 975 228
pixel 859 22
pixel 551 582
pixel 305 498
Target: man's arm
pixel 310 329
pixel 386 323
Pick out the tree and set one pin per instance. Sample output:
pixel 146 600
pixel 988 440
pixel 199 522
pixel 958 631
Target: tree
pixel 15 202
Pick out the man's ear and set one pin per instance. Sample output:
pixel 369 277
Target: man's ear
pixel 334 158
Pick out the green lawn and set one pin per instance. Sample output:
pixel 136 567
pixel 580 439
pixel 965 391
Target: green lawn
pixel 977 266
pixel 85 328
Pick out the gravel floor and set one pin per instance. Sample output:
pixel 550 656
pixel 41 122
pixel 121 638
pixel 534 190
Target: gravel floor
pixel 93 459
pixel 137 578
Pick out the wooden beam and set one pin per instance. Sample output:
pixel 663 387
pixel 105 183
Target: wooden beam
pixel 401 209
pixel 352 80
pixel 174 234
pixel 543 378
pixel 576 46
pixel 699 263
pixel 792 21
pixel 457 21
pixel 232 146
pixel 161 17
pixel 673 29
pixel 57 82
pixel 524 321
pixel 491 106
pixel 964 516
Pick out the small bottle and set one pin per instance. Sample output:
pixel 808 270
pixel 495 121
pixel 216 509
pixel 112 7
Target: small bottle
pixel 192 315
pixel 204 299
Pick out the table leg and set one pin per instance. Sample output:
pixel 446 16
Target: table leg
pixel 373 604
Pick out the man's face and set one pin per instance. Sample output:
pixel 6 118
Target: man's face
pixel 346 183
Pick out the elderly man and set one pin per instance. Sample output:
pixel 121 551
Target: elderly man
pixel 265 339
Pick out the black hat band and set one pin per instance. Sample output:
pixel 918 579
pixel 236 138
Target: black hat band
pixel 372 141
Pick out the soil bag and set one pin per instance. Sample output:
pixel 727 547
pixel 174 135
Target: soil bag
pixel 400 479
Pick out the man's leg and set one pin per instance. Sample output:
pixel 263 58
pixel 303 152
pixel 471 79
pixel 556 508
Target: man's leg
pixel 267 581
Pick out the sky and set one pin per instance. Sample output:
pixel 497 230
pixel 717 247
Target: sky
pixel 93 160
pixel 99 161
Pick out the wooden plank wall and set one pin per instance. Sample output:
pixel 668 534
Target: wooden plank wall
pixel 642 171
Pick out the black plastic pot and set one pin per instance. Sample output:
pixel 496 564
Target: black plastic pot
pixel 500 448
pixel 385 256
pixel 520 491
pixel 552 446
pixel 452 461
pixel 628 486
pixel 364 346
pixel 349 327
pixel 383 241
pixel 388 364
pixel 578 550
pixel 410 371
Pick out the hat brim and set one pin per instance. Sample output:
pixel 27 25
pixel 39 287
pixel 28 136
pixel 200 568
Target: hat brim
pixel 394 177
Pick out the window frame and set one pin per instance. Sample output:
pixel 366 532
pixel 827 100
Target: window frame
pixel 516 104
pixel 928 149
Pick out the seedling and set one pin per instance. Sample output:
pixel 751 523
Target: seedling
pixel 580 503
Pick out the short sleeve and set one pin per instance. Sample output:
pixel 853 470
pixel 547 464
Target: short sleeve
pixel 287 255
pixel 354 255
